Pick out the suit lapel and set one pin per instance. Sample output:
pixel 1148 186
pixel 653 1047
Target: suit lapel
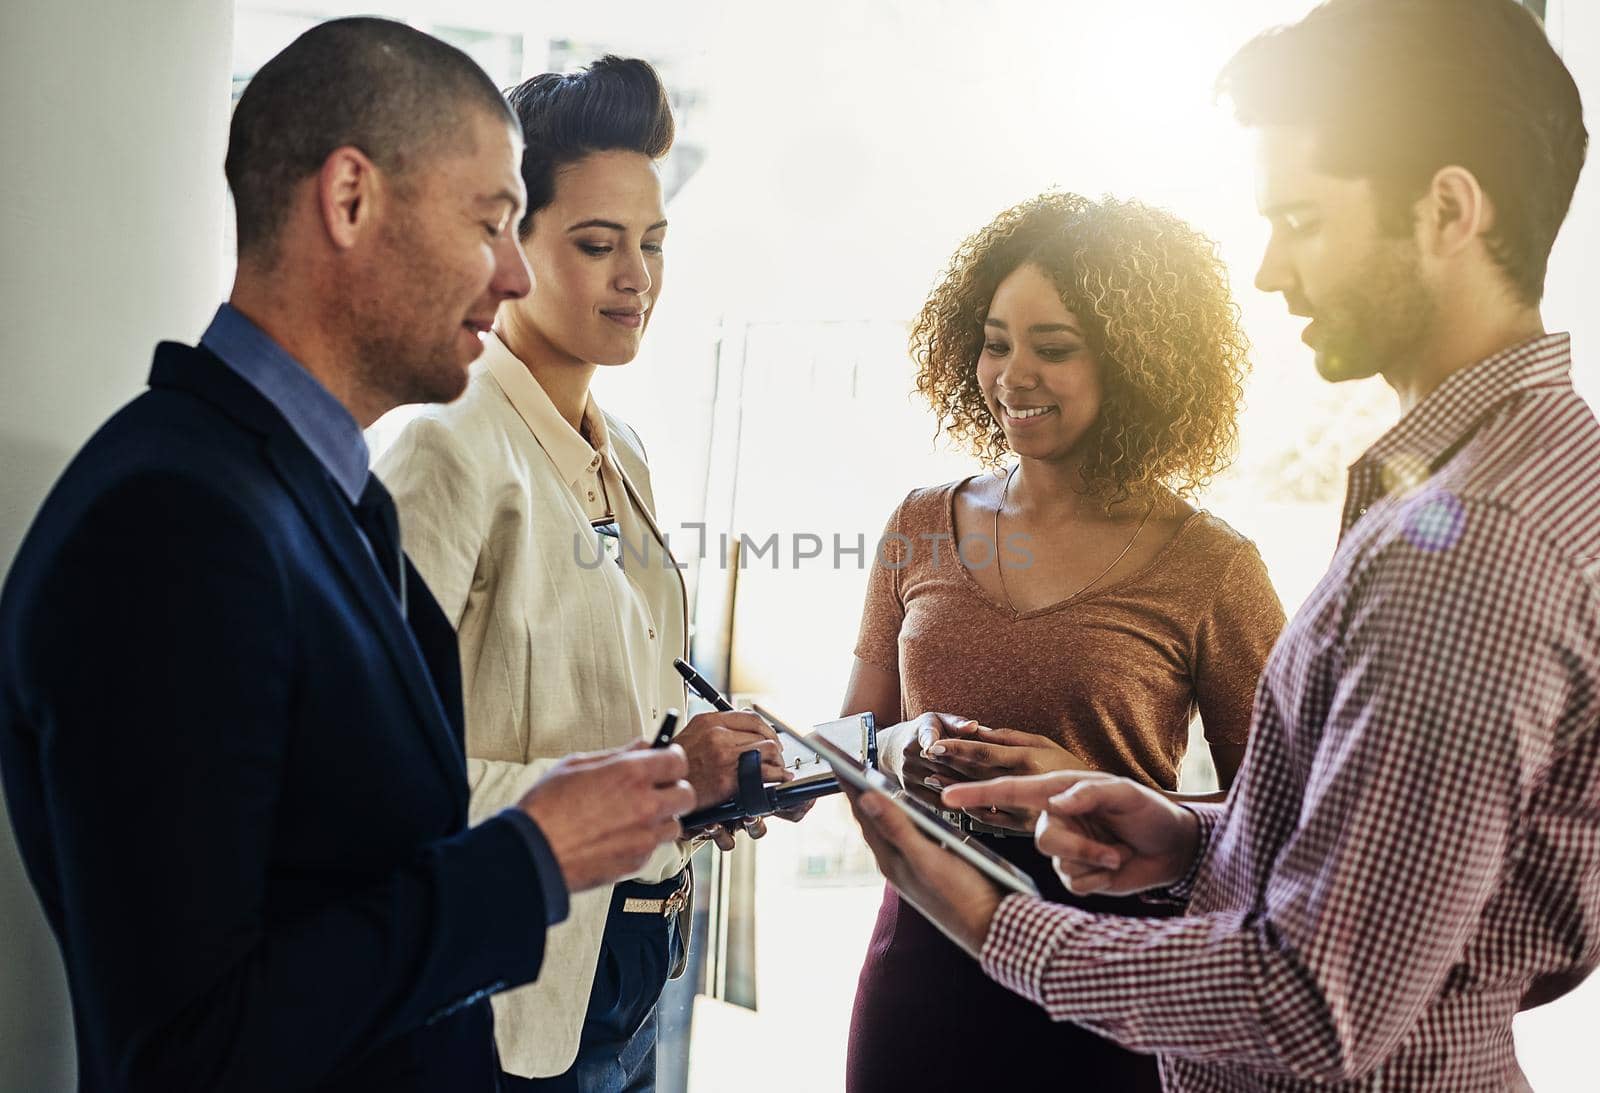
pixel 437 641
pixel 330 517
pixel 200 373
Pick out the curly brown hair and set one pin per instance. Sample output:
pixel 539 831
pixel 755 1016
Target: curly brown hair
pixel 1158 314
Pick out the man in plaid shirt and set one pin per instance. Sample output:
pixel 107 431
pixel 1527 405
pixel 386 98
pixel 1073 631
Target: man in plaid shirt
pixel 1411 853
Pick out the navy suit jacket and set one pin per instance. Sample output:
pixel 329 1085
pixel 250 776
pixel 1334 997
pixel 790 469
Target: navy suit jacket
pixel 236 772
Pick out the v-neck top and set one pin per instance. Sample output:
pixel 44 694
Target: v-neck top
pixel 1114 673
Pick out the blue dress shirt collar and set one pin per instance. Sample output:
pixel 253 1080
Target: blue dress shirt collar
pixel 320 420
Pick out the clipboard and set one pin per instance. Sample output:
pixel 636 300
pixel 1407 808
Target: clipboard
pixel 851 771
pixel 814 777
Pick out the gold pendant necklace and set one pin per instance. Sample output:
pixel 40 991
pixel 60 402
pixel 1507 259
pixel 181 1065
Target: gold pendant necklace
pixel 1000 563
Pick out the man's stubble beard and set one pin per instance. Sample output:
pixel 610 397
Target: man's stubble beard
pixel 405 372
pixel 391 358
pixel 1379 318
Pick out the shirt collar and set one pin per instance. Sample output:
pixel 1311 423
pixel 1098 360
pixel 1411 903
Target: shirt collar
pixel 320 421
pixel 1412 450
pixel 572 455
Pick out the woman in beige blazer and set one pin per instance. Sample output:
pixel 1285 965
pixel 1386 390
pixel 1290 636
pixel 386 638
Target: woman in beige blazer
pixel 529 511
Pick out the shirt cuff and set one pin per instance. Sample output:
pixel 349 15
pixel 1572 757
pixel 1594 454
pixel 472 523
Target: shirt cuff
pixel 1023 934
pixel 545 866
pixel 1209 816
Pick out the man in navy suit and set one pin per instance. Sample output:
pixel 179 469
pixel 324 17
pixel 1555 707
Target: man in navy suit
pixel 230 711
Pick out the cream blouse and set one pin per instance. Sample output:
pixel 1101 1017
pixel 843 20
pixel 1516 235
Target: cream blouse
pixel 566 641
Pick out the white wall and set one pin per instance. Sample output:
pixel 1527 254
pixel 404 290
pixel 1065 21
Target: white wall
pixel 113 121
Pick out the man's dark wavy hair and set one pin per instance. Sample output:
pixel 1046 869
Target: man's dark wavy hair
pixel 616 103
pixel 1397 89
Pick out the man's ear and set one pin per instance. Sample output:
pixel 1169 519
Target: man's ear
pixel 347 195
pixel 1453 213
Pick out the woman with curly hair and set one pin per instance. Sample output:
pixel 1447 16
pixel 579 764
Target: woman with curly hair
pixel 1070 605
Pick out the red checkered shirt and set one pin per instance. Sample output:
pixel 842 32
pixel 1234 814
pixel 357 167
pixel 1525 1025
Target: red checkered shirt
pixel 1412 850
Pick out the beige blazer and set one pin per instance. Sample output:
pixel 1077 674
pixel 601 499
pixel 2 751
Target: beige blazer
pixel 562 649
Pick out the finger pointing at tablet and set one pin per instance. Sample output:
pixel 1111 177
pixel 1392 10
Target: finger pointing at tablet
pixel 1103 834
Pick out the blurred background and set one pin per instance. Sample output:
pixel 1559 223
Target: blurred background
pixel 830 157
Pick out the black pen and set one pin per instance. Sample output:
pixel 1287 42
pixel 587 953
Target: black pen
pixel 697 683
pixel 664 733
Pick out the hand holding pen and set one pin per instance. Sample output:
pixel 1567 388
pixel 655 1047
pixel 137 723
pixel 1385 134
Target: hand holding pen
pixel 714 741
pixel 755 826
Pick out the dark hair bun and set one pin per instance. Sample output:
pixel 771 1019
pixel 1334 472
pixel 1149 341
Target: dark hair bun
pixel 616 103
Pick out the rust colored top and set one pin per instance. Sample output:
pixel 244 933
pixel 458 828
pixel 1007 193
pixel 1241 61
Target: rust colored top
pixel 1114 674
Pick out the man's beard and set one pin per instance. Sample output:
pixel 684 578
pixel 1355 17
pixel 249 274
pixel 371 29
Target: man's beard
pixel 406 371
pixel 392 355
pixel 1377 320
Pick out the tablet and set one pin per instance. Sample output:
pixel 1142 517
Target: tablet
pixel 851 771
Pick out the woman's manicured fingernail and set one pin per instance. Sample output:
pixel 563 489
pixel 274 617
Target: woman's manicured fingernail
pixel 1111 861
pixel 937 749
pixel 933 783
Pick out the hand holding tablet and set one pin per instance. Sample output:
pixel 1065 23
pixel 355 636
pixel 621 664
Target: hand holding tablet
pixel 954 881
